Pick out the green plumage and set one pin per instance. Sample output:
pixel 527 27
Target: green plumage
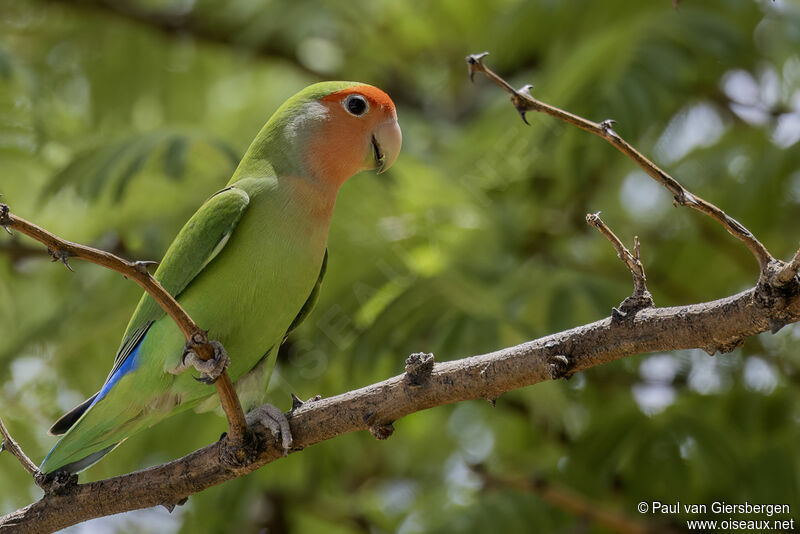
pixel 247 266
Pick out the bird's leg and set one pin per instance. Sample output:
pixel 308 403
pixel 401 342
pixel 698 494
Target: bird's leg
pixel 210 369
pixel 269 417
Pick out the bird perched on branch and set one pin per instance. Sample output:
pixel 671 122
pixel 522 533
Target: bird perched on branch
pixel 248 266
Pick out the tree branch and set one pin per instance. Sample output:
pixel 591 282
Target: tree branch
pixel 524 102
pixel 720 325
pixel 717 326
pixel 197 339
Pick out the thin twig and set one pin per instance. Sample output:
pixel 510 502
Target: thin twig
pixel 61 250
pixel 11 446
pixel 630 260
pixel 524 102
pixel 789 271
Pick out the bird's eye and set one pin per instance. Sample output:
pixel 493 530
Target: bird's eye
pixel 355 105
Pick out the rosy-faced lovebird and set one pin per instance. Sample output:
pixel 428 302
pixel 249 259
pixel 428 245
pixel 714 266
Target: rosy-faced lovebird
pixel 247 265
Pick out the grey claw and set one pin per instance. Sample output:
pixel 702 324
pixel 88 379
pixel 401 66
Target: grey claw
pixel 210 370
pixel 269 417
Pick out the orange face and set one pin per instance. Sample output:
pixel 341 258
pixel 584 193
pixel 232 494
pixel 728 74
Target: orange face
pixel 360 132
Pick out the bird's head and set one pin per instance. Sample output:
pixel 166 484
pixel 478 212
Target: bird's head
pixel 329 131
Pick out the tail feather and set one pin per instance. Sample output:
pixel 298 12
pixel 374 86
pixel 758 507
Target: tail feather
pixel 66 421
pixel 79 465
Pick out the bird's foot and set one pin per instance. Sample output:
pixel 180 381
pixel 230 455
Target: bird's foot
pixel 210 370
pixel 269 417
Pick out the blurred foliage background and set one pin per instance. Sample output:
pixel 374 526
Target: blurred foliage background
pixel 119 117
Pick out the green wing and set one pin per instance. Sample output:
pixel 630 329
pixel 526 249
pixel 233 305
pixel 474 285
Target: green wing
pixel 312 299
pixel 197 244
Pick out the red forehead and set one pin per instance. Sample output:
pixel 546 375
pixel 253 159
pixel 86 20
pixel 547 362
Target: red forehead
pixel 375 96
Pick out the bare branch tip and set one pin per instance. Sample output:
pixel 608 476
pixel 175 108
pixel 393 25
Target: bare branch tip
pixel 8 444
pixel 593 219
pixel 475 64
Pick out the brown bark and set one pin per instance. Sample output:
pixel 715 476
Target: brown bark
pixel 717 326
pixel 720 325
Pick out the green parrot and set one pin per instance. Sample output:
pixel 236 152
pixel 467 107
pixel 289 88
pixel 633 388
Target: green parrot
pixel 247 265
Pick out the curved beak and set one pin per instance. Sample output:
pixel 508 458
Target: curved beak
pixel 386 141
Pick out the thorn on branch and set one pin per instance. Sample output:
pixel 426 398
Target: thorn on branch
pixel 617 314
pixel 607 127
pixel 171 506
pixel 561 367
pixel 475 64
pixel 519 103
pixel 418 368
pixel 60 255
pixel 776 324
pixel 141 266
pixel 297 403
